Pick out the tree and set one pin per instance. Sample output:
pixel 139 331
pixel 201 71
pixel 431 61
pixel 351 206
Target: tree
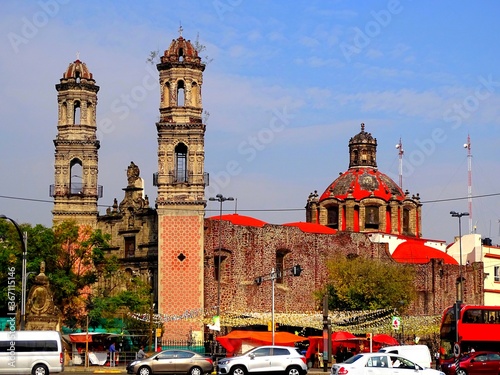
pixel 358 283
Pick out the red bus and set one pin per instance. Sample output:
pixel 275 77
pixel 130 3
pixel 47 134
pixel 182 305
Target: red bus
pixel 478 329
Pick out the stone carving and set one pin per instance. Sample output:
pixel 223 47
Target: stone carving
pixel 41 312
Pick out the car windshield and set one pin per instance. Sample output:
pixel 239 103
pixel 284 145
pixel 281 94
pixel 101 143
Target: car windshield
pixel 353 358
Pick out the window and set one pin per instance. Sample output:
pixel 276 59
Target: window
pixel 496 271
pixel 219 268
pixel 406 221
pixel 280 351
pixel 129 247
pixel 371 217
pixel 30 346
pixel 181 163
pixel 76 113
pixel 280 266
pixel 333 217
pixel 180 94
pixel 75 182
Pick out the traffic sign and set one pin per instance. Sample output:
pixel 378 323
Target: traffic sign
pixel 456 350
pixel 396 323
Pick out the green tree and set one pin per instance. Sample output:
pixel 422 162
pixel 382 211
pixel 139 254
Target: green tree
pixel 358 283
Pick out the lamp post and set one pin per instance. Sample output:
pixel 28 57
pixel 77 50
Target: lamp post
pixel 460 280
pixel 221 199
pixel 24 240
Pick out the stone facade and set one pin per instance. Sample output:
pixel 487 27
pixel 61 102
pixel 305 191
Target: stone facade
pixel 176 249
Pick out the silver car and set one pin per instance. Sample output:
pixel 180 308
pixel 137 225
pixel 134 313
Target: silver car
pixel 380 364
pixel 265 360
pixel 174 361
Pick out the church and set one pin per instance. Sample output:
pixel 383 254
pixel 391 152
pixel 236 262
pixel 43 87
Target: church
pixel 201 266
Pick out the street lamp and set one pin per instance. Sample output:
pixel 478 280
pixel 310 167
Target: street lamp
pixel 219 198
pixel 459 215
pixel 24 240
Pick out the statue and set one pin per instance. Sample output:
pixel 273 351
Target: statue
pixel 132 173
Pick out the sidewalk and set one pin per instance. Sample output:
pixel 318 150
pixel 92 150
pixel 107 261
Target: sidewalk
pixel 123 370
pixel 97 369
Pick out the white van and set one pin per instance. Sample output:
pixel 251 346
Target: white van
pixel 31 352
pixel 419 354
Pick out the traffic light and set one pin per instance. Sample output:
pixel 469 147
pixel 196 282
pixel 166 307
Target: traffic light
pixel 258 280
pixel 296 270
pixel 369 336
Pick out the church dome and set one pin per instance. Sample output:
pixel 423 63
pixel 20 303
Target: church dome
pixel 360 183
pixel 363 179
pixel 77 70
pixel 181 50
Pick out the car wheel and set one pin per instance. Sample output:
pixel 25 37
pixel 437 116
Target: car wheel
pixel 144 370
pixel 195 371
pixel 40 370
pixel 238 370
pixel 461 371
pixel 293 370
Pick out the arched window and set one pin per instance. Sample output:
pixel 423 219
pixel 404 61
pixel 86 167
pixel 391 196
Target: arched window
pixel 280 264
pixel 180 94
pixel 222 265
pixel 64 113
pixel 181 163
pixel 333 217
pixel 168 97
pixel 76 112
pixel 75 182
pixel 181 55
pixel 195 96
pixel 371 217
pixel 406 221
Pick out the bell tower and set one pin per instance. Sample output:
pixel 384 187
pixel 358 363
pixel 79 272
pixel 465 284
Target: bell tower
pixel 75 190
pixel 181 186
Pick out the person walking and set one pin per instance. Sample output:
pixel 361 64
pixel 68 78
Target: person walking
pixel 112 354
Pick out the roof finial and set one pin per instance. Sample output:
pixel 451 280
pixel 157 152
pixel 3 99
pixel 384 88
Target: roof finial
pixel 362 127
pixel 77 55
pixel 180 29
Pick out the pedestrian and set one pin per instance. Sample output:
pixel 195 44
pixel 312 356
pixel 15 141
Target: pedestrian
pixel 140 353
pixel 437 357
pixel 112 354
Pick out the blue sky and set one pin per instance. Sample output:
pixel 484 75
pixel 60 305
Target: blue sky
pixel 286 86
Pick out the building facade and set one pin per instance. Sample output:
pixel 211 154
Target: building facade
pixel 190 260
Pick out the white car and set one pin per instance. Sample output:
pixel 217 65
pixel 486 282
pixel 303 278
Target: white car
pixel 380 364
pixel 265 360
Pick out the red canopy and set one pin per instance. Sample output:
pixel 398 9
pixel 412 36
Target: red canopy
pixel 384 339
pixel 232 342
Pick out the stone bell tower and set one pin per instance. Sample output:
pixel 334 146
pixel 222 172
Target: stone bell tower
pixel 181 184
pixel 75 190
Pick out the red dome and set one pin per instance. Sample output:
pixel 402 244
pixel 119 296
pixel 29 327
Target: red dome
pixel 363 182
pixel 77 69
pixel 181 50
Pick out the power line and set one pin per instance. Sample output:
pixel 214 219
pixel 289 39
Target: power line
pixel 266 209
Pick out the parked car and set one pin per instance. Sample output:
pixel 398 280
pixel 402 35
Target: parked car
pixel 380 364
pixel 172 361
pixel 474 363
pixel 265 360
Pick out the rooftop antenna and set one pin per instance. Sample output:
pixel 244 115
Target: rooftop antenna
pixel 469 182
pixel 399 146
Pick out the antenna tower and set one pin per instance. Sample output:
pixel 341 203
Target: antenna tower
pixel 399 146
pixel 469 180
